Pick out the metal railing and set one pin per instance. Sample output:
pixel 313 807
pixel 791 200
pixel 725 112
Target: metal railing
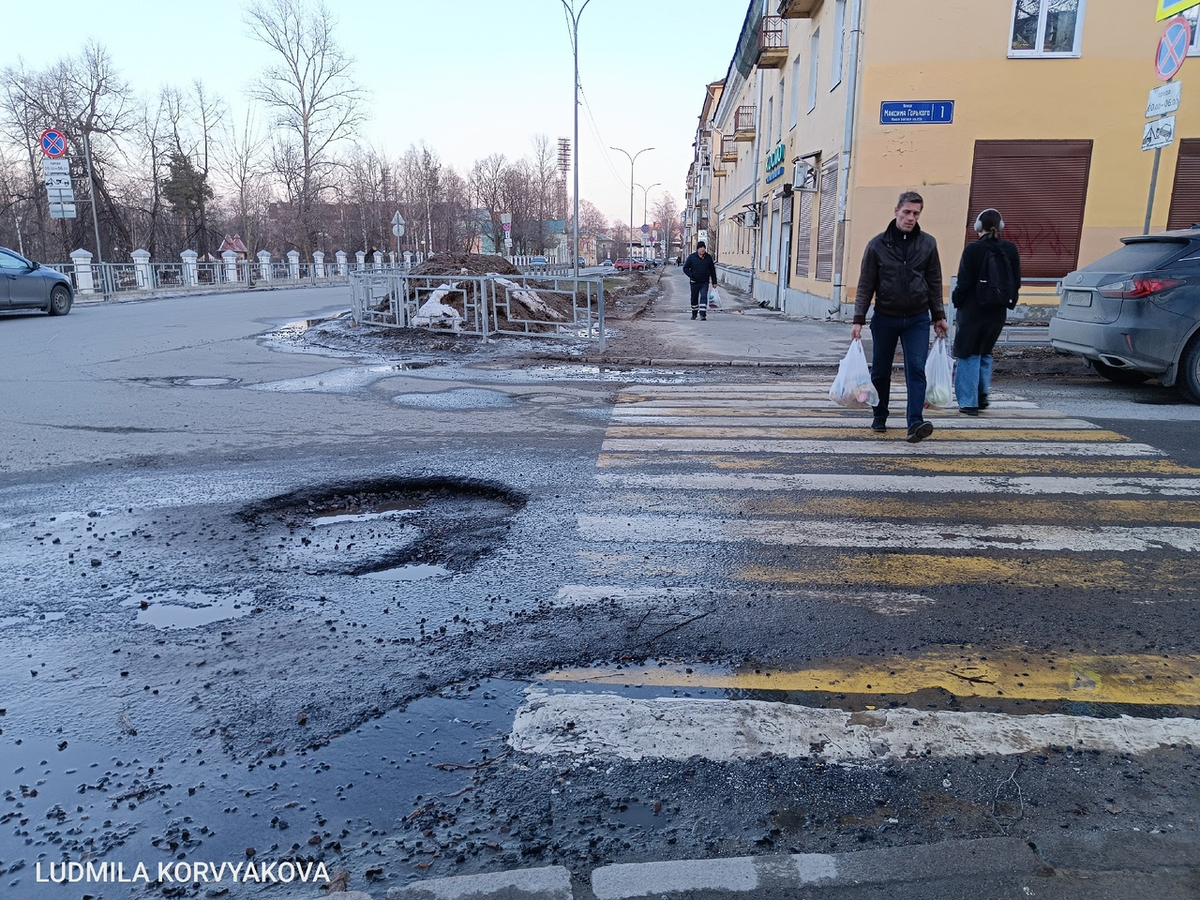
pixel 115 279
pixel 546 305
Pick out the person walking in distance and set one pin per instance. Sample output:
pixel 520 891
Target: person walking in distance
pixel 989 280
pixel 901 271
pixel 701 270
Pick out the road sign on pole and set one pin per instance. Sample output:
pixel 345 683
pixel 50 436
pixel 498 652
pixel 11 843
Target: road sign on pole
pixel 1164 99
pixel 1172 48
pixel 1159 133
pixel 1169 8
pixel 53 143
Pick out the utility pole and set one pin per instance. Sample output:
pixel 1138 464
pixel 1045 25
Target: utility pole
pixel 632 160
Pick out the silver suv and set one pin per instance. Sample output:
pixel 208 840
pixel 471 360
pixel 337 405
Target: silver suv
pixel 1135 314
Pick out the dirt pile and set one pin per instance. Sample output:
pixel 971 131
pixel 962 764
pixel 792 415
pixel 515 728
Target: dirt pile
pixel 465 264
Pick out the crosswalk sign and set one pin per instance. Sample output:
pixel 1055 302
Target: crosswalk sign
pixel 1168 8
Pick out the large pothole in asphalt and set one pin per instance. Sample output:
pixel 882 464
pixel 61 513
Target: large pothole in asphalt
pixel 398 529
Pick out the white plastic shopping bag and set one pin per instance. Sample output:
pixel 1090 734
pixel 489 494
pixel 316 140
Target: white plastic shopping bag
pixel 939 377
pixel 714 298
pixel 853 388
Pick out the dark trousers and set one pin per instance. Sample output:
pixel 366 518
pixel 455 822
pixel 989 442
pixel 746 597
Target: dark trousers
pixel 912 333
pixel 700 296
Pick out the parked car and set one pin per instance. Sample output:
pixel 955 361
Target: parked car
pixel 1135 314
pixel 627 264
pixel 26 285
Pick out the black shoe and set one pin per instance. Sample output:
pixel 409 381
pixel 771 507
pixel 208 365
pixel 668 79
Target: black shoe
pixel 879 426
pixel 920 432
pixel 969 410
pixel 703 317
pixel 983 401
pixel 693 314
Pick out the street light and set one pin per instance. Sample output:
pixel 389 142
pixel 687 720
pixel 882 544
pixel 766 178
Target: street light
pixel 569 9
pixel 646 201
pixel 632 160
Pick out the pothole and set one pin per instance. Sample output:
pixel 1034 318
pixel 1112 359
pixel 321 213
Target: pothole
pixel 395 530
pixel 459 398
pixel 189 609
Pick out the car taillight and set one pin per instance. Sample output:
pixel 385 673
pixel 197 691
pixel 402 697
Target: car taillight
pixel 1137 288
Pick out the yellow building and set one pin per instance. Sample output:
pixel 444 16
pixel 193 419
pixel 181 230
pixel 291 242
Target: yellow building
pixel 831 108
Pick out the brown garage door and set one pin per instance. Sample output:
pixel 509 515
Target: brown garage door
pixel 1185 194
pixel 1040 188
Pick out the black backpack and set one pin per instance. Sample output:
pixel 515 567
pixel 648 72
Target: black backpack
pixel 996 288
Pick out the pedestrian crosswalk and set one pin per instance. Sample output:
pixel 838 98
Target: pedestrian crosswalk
pixel 781 491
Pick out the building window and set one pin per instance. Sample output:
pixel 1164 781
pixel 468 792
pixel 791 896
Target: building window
pixel 812 70
pixel 1046 27
pixel 1193 17
pixel 839 38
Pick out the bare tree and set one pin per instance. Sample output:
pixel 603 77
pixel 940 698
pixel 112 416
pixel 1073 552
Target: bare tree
pixel 241 163
pixel 315 102
pixel 667 214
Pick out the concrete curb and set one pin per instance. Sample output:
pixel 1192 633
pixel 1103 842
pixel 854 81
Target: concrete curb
pixel 1097 865
pixel 547 883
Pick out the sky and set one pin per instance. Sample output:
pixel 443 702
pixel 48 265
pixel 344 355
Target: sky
pixel 469 78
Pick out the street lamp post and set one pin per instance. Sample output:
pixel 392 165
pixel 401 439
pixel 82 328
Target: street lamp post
pixel 574 16
pixel 646 200
pixel 632 160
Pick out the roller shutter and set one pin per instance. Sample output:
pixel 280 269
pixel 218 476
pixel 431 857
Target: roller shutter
pixel 1040 187
pixel 827 219
pixel 804 235
pixel 1185 194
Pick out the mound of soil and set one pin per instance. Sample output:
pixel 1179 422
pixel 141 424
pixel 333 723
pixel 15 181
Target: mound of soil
pixel 465 264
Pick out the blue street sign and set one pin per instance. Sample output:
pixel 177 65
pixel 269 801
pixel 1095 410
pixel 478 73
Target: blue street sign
pixel 54 144
pixel 916 112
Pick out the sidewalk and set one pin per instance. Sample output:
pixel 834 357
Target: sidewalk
pixel 741 333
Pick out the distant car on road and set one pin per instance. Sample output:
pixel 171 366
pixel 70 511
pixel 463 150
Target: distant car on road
pixel 628 264
pixel 1135 314
pixel 26 285
pixel 608 264
pixel 539 261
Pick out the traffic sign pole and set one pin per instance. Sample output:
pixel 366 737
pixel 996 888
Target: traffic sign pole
pixel 1172 50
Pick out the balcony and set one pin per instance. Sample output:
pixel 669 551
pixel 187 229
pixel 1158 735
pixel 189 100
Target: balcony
pixel 772 43
pixel 718 170
pixel 797 9
pixel 744 123
pixel 729 152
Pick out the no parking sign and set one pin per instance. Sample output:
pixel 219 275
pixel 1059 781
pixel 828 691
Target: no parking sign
pixel 54 144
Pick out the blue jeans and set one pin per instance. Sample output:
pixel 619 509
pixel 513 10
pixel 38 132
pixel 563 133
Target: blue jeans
pixel 912 333
pixel 972 377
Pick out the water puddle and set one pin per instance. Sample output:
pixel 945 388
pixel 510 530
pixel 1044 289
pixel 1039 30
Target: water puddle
pixel 385 510
pixel 461 398
pixel 410 572
pixel 335 381
pixel 204 382
pixel 189 609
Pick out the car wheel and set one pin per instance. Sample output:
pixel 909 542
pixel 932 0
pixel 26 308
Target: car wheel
pixel 60 301
pixel 1119 376
pixel 1189 370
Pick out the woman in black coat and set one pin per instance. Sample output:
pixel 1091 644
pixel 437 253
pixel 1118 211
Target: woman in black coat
pixel 982 298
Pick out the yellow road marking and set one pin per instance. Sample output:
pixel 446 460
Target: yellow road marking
pixel 1039 570
pixel 871 465
pixel 1015 509
pixel 1097 435
pixel 1013 674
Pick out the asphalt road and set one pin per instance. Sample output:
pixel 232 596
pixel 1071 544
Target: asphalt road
pixel 284 591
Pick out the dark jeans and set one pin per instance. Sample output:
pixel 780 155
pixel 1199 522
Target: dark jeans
pixel 912 332
pixel 700 296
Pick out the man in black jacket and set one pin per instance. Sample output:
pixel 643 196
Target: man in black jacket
pixel 902 271
pixel 701 270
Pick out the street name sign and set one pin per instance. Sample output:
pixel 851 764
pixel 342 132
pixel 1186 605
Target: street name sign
pixel 916 112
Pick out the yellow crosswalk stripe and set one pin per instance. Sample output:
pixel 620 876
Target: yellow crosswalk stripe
pixel 1015 674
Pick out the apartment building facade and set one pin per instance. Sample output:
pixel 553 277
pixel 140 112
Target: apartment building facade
pixel 831 108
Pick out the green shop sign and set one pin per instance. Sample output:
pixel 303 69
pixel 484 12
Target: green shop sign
pixel 775 163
